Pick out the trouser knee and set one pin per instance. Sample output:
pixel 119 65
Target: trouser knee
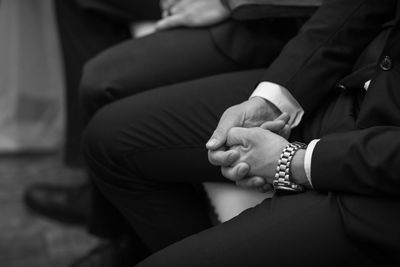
pixel 94 87
pixel 100 144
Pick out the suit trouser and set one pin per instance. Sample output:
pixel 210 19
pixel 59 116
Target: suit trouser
pixel 85 32
pixel 137 66
pixel 145 150
pixel 145 165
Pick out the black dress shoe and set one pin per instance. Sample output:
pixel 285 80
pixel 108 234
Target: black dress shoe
pixel 118 253
pixel 67 204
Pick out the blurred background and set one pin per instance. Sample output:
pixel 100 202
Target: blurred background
pixel 32 127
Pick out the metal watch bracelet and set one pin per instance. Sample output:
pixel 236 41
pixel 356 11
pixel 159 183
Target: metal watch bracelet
pixel 281 180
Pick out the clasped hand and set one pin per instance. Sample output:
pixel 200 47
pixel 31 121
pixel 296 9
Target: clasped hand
pixel 248 142
pixel 191 13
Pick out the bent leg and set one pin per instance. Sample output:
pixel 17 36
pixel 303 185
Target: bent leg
pixel 294 230
pixel 159 59
pixel 146 150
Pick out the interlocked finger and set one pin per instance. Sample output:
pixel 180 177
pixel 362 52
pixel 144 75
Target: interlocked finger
pixel 252 183
pixel 237 172
pixel 224 158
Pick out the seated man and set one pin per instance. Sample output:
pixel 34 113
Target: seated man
pixel 216 45
pixel 145 151
pixel 210 43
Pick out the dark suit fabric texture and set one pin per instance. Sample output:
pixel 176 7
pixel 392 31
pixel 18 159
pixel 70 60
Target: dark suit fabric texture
pixel 146 152
pixel 138 67
pixel 87 27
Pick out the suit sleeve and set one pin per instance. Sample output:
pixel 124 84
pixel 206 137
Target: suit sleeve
pixel 359 162
pixel 326 48
pixel 259 9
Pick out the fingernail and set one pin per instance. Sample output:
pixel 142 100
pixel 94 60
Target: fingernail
pixel 211 143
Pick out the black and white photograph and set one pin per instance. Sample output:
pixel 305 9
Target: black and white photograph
pixel 199 133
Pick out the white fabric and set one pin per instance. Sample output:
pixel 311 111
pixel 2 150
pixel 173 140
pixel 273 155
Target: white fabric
pixel 143 28
pixel 31 82
pixel 366 85
pixel 282 99
pixel 229 200
pixel 308 158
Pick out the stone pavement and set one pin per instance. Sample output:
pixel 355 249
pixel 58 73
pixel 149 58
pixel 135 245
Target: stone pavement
pixel 27 240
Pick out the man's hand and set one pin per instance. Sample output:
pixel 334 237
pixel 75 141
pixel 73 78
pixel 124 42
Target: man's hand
pixel 239 172
pixel 258 152
pixel 191 13
pixel 167 4
pixel 251 113
pixel 258 148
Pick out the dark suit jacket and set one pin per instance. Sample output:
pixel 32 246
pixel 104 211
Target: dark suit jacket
pixel 258 30
pixel 124 11
pixel 361 167
pixel 256 9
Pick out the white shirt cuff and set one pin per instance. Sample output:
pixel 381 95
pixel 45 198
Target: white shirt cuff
pixel 366 85
pixel 307 159
pixel 282 99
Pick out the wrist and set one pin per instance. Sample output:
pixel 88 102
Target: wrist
pixel 298 173
pixel 283 180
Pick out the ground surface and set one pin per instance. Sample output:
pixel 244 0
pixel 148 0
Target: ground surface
pixel 27 240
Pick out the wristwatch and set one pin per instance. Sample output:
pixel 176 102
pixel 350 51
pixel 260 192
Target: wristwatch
pixel 281 182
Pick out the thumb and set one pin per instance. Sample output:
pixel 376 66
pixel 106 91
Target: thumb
pixel 217 139
pixel 170 22
pixel 276 125
pixel 273 126
pixel 285 132
pixel 284 117
pixel 219 136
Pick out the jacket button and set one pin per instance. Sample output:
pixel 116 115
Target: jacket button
pixel 386 63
